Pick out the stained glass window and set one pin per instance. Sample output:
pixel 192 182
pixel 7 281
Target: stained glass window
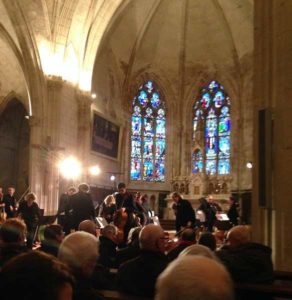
pixel 212 110
pixel 148 135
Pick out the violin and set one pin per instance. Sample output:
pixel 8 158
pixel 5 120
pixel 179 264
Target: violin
pixel 120 220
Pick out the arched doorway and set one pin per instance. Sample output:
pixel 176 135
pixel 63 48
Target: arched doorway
pixel 14 149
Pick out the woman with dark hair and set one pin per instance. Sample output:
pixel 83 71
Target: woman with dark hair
pixel 36 275
pixel 30 213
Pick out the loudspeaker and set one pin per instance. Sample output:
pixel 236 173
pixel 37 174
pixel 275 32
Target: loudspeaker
pixel 265 158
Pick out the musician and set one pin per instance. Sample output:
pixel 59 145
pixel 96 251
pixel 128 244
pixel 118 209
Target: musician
pixel 124 199
pixel 30 213
pixel 108 208
pixel 10 202
pixel 214 209
pixel 184 212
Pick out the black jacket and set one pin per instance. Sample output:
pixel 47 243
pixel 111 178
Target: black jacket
pixel 184 213
pixel 138 276
pixel 125 200
pixel 250 262
pixel 107 252
pixel 81 208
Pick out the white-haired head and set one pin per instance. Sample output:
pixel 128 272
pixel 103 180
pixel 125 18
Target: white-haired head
pixel 79 250
pixel 194 278
pixel 198 250
pixel 151 238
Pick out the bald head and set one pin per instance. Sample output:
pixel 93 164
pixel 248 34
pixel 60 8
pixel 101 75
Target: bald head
pixel 238 235
pixel 87 226
pixel 151 238
pixel 194 278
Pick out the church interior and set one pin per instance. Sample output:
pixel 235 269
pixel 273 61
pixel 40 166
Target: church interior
pixel 185 96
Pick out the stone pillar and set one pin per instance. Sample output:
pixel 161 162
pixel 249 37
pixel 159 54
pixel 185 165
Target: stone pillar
pixel 272 91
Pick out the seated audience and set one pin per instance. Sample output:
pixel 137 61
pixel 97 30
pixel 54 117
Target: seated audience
pixel 187 238
pixel 79 250
pixel 53 236
pixel 36 275
pixel 107 247
pixel 88 226
pixel 12 239
pixel 245 260
pixel 198 250
pixel 132 250
pixel 138 276
pixel 194 278
pixel 207 239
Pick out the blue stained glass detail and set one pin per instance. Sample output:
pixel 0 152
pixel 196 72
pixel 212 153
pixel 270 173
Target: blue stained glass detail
pixel 149 86
pixel 160 128
pixel 211 148
pixel 143 98
pixel 213 85
pixel 224 126
pixel 195 124
pixel 148 133
pixel 148 126
pixel 148 170
pixel 159 170
pixel 224 111
pixel 148 147
pixel 155 101
pixel 197 162
pixel 161 113
pixel 211 127
pixel 136 147
pixel 205 101
pixel 224 145
pixel 211 167
pixel 224 167
pixel 137 111
pixel 218 99
pixel 149 112
pixel 199 113
pixel 160 148
pixel 136 125
pixel 135 169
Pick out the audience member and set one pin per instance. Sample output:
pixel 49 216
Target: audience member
pixel 138 276
pixel 187 238
pixel 107 248
pixel 245 260
pixel 10 203
pixel 36 275
pixel 194 278
pixel 198 250
pixel 207 239
pixel 12 239
pixel 79 250
pixel 80 206
pixel 29 211
pixel 108 208
pixel 133 248
pixel 53 236
pixel 88 226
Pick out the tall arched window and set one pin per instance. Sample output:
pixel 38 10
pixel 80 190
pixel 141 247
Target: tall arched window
pixel 148 135
pixel 211 131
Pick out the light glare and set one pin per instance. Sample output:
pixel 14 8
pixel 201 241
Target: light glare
pixel 70 168
pixel 94 170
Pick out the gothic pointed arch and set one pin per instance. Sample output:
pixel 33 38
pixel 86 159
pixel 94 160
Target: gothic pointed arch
pixel 148 134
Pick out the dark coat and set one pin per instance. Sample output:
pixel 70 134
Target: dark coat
pixel 125 200
pixel 174 253
pixel 30 214
pixel 250 262
pixel 9 202
pixel 184 213
pixel 84 290
pixel 11 250
pixel 233 214
pixel 81 208
pixel 128 253
pixel 138 276
pixel 107 252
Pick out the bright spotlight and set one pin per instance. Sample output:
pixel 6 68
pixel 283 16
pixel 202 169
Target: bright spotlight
pixel 113 178
pixel 70 168
pixel 249 165
pixel 93 95
pixel 94 170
